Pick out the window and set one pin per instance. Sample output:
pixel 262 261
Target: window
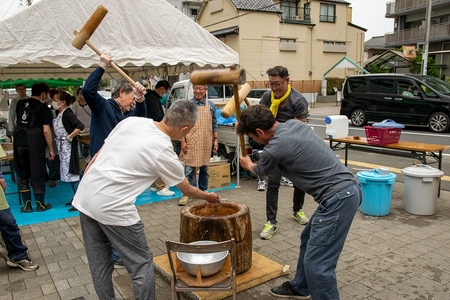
pixel 382 86
pixel 194 12
pixel 307 11
pixel 289 8
pixel 357 85
pixel 327 13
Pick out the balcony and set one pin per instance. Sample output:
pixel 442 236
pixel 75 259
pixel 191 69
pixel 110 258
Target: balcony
pixel 438 32
pixel 401 7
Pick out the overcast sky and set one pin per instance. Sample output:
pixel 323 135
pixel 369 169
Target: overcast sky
pixel 368 14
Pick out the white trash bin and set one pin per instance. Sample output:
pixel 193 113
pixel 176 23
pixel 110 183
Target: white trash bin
pixel 421 189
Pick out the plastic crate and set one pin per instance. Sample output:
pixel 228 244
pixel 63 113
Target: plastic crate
pixel 382 135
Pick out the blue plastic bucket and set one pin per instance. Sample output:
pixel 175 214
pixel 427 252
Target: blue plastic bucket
pixel 376 189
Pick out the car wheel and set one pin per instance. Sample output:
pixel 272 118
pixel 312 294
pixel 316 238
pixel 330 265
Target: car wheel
pixel 439 122
pixel 358 117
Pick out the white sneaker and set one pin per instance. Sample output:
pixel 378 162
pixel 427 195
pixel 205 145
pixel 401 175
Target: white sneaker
pixel 286 182
pixel 153 189
pixel 261 185
pixel 165 192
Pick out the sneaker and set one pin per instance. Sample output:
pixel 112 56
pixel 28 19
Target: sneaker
pixel 42 206
pixel 165 192
pixel 300 217
pixel 184 200
pixel 153 189
pixel 24 264
pixel 268 231
pixel 26 207
pixel 286 182
pixel 287 291
pixel 118 264
pixel 261 185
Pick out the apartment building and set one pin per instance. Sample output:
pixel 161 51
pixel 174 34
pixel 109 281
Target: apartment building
pixel 410 28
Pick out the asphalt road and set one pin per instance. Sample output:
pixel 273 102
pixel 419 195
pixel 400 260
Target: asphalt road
pixel 359 160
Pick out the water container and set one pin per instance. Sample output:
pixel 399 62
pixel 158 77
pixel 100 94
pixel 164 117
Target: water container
pixel 336 126
pixel 376 187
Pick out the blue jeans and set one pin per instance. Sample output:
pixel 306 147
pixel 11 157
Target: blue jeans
pixel 203 176
pixel 321 243
pixel 11 236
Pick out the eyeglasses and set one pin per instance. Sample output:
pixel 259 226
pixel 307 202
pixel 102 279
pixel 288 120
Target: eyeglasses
pixel 199 88
pixel 276 85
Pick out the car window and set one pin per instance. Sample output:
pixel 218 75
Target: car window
pixel 381 86
pixel 406 89
pixel 178 93
pixel 357 85
pixel 428 91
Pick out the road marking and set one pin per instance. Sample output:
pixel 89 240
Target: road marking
pixel 372 166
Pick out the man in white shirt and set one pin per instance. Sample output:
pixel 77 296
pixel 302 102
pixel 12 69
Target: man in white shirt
pixel 136 152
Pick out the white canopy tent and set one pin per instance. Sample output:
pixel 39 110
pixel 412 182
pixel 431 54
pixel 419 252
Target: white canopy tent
pixel 144 37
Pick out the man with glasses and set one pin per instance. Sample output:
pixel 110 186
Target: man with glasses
pixel 285 103
pixel 197 145
pixel 31 137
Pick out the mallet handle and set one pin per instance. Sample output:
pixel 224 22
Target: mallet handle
pixel 112 64
pixel 238 117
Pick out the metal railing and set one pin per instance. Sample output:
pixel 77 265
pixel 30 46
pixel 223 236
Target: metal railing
pixel 437 32
pixel 405 5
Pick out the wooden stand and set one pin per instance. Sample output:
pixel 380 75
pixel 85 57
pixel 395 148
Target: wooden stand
pixel 198 280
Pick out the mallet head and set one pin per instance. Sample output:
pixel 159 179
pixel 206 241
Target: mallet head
pixel 205 77
pixel 89 27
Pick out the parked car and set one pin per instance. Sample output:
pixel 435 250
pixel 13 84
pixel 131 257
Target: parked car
pixel 254 96
pixel 409 99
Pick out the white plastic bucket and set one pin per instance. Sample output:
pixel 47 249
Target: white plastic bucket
pixel 421 189
pixel 336 126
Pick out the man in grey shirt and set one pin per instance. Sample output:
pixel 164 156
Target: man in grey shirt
pixel 313 167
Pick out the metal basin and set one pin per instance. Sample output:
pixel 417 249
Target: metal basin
pixel 210 263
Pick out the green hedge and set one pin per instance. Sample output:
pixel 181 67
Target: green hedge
pixel 334 82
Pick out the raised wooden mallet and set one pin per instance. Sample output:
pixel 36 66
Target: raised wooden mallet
pixel 82 38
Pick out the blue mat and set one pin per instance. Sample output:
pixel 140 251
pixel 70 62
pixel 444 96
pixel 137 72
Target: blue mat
pixel 61 194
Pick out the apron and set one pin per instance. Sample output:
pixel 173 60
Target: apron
pixel 64 149
pixel 199 139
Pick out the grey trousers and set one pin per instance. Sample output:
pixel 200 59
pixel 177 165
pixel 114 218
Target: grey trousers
pixel 131 244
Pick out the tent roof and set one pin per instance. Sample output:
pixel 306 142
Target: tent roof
pixel 144 37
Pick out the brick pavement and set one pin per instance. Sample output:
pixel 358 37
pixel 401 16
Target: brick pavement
pixel 400 256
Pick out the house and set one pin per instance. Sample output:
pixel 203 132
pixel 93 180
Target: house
pixel 306 36
pixel 410 24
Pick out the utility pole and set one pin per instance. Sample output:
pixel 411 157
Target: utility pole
pixel 427 38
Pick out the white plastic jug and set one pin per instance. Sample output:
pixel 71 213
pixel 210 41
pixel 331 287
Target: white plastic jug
pixel 336 126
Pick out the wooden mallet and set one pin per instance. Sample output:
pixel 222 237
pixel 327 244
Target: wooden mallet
pixel 233 76
pixel 82 38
